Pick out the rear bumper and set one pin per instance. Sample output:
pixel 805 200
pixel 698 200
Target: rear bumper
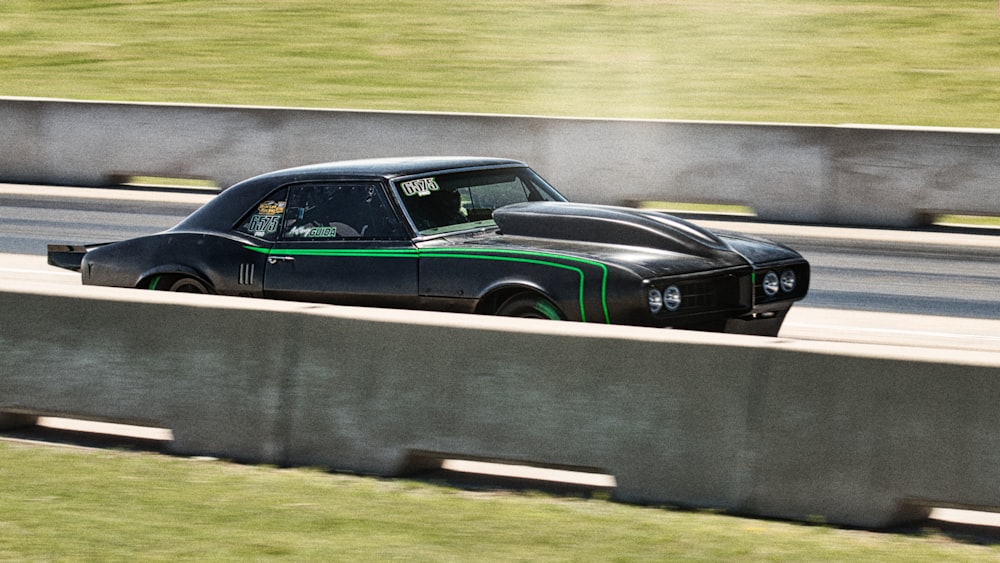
pixel 68 256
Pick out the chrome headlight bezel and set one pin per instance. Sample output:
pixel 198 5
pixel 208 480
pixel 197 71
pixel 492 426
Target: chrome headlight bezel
pixel 788 281
pixel 672 298
pixel 665 300
pixel 655 300
pixel 771 284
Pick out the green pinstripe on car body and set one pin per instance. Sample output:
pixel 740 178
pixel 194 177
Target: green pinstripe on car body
pixel 497 254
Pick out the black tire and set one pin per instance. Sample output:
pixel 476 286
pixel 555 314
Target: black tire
pixel 188 285
pixel 530 306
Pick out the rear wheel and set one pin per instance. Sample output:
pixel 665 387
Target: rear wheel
pixel 530 306
pixel 189 285
pixel 179 284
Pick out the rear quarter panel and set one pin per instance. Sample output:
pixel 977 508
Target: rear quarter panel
pixel 223 262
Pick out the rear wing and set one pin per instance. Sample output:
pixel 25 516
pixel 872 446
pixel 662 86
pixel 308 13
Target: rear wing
pixel 68 256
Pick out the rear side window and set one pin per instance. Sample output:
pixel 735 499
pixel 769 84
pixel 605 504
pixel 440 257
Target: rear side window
pixel 265 220
pixel 335 211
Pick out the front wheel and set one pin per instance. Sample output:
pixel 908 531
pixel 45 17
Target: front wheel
pixel 530 306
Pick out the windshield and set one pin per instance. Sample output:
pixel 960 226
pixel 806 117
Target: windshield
pixel 444 203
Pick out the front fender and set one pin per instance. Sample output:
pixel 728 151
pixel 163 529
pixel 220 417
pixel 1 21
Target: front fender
pixel 495 294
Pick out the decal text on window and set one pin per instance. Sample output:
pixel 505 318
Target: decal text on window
pixel 420 187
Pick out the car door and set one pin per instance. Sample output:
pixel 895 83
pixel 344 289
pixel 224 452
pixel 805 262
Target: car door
pixel 342 242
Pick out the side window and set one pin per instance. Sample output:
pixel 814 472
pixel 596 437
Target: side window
pixel 264 221
pixel 339 211
pixel 497 195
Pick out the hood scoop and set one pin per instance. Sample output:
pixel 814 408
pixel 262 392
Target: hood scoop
pixel 606 224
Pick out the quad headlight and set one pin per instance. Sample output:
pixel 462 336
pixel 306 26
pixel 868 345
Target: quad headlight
pixel 669 299
pixel 788 281
pixel 672 298
pixel 655 299
pixel 773 283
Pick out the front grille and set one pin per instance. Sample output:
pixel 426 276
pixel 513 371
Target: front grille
pixel 708 294
pixel 702 294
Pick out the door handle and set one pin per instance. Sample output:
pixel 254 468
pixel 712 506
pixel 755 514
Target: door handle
pixel 276 259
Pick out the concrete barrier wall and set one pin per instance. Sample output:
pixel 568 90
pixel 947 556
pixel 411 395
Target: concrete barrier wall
pixel 855 435
pixel 816 174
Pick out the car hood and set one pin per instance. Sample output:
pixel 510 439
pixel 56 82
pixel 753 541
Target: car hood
pixel 606 224
pixel 640 239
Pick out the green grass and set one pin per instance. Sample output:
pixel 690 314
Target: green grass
pixel 969 220
pixel 709 208
pixel 975 221
pixel 65 504
pixel 905 62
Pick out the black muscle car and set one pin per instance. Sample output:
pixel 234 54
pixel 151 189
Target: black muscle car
pixel 474 235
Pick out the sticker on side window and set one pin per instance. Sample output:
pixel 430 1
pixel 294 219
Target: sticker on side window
pixel 313 232
pixel 419 187
pixel 271 208
pixel 263 225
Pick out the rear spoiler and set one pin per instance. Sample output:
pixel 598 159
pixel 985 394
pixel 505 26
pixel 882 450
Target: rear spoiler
pixel 68 256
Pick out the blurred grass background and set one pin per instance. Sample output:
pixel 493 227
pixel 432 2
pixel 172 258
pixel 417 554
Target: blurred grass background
pixel 906 62
pixel 61 504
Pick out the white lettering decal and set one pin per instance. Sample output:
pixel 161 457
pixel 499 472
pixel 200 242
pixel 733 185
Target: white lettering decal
pixel 312 232
pixel 322 232
pixel 419 187
pixel 263 224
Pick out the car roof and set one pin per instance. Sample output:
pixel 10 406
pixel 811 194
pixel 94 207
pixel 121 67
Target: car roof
pixel 228 206
pixel 392 167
